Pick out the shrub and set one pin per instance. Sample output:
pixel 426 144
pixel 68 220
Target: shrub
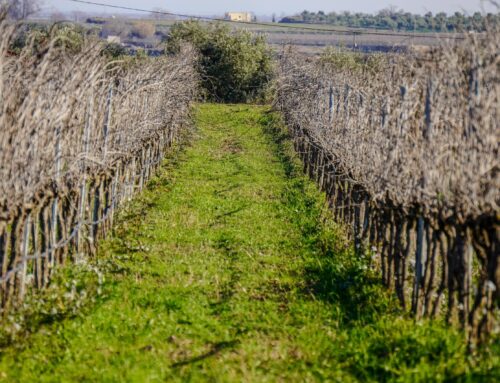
pixel 69 36
pixel 114 50
pixel 116 28
pixel 143 29
pixel 235 66
pixel 346 61
pixel 95 20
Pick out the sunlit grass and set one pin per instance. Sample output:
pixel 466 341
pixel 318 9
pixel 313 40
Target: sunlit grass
pixel 229 269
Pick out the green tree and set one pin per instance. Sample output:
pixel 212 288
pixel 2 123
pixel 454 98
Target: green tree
pixel 440 22
pixel 235 66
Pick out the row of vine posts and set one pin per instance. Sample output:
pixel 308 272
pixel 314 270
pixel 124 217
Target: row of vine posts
pixel 68 222
pixel 437 266
pixel 425 260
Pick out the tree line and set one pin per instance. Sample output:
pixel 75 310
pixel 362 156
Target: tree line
pixel 394 19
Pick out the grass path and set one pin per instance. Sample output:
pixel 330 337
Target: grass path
pixel 223 270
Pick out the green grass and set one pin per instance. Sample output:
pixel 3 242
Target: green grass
pixel 228 269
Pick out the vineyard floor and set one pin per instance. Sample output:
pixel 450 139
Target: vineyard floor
pixel 228 269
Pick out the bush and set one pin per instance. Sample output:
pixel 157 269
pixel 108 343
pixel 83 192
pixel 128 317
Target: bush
pixel 235 66
pixel 354 62
pixel 114 50
pixel 69 36
pixel 115 28
pixel 143 29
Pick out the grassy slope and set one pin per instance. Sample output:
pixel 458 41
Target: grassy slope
pixel 226 270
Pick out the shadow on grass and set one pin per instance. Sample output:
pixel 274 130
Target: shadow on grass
pixel 57 302
pixel 346 283
pixel 215 349
pixel 227 245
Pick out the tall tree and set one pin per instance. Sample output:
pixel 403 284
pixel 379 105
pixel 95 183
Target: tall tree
pixel 20 9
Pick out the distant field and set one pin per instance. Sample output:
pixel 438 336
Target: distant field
pixel 313 41
pixel 309 39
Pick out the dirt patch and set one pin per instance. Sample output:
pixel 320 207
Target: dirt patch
pixel 231 145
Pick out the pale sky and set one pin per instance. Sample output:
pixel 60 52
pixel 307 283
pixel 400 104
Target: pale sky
pixel 215 7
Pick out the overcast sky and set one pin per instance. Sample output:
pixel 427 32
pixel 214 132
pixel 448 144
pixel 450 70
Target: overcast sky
pixel 214 7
